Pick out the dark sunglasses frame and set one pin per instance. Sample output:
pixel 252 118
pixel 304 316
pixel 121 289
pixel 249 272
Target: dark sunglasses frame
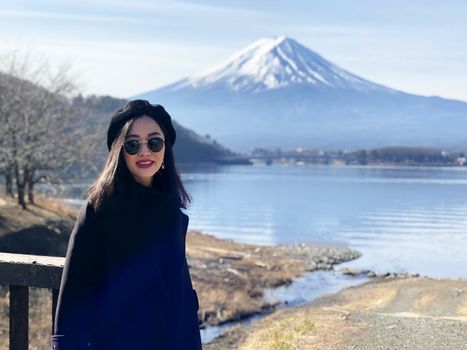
pixel 155 144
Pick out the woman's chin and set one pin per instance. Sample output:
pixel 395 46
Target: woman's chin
pixel 144 175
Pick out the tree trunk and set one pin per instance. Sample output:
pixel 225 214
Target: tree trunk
pixel 31 193
pixel 30 187
pixel 21 196
pixel 20 185
pixel 9 184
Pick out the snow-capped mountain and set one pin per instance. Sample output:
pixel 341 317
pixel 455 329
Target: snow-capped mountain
pixel 273 63
pixel 278 93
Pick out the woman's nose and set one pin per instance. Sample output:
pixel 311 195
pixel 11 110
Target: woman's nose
pixel 144 148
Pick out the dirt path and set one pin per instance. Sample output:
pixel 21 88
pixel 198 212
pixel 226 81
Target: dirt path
pixel 390 313
pixel 407 314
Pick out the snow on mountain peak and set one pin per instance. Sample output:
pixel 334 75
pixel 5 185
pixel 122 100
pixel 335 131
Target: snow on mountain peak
pixel 271 63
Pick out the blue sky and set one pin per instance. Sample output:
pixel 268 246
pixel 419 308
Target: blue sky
pixel 123 48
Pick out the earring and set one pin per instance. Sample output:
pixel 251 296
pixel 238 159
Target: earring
pixel 162 166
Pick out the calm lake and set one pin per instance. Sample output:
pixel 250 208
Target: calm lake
pixel 410 219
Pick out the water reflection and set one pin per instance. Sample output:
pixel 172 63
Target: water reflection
pixel 401 219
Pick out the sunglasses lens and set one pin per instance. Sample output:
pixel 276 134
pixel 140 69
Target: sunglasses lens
pixel 131 147
pixel 155 144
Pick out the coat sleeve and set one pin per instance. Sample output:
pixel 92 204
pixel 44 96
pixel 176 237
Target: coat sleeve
pixel 80 287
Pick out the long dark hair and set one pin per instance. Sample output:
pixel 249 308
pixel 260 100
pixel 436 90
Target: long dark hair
pixel 109 188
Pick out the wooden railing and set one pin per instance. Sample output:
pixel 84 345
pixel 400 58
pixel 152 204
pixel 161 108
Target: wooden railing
pixel 20 272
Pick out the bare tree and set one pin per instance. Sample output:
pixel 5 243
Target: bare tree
pixel 43 135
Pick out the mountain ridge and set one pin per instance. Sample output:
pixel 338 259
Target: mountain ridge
pixel 277 83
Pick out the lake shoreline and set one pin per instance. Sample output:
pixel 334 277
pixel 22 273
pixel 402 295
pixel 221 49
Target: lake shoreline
pixel 245 271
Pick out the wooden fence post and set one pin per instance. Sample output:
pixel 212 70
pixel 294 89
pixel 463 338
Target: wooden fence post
pixel 19 317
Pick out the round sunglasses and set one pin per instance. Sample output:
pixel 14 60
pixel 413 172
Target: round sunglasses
pixel 132 147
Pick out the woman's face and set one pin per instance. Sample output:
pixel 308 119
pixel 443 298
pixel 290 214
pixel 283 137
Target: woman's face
pixel 144 164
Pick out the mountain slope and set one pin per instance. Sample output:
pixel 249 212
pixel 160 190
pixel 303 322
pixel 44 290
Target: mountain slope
pixel 189 147
pixel 278 93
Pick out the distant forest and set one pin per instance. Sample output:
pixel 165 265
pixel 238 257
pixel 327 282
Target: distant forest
pixel 386 155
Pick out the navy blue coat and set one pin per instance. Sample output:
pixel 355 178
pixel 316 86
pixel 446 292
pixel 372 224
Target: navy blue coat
pixel 126 282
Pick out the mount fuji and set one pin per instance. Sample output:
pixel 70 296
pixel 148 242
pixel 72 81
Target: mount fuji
pixel 278 93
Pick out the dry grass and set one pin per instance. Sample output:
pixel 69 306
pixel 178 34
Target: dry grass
pixel 40 318
pixel 57 207
pixel 290 329
pixel 462 310
pixel 423 302
pixel 377 297
pixel 4 317
pixel 14 218
pixel 287 333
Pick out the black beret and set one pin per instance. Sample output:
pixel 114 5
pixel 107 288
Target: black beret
pixel 139 108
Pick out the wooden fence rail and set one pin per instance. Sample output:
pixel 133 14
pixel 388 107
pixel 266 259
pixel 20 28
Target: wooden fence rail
pixel 20 272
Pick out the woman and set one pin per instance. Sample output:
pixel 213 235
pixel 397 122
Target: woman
pixel 126 283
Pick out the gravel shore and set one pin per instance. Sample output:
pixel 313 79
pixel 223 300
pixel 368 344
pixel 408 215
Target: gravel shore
pixel 385 313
